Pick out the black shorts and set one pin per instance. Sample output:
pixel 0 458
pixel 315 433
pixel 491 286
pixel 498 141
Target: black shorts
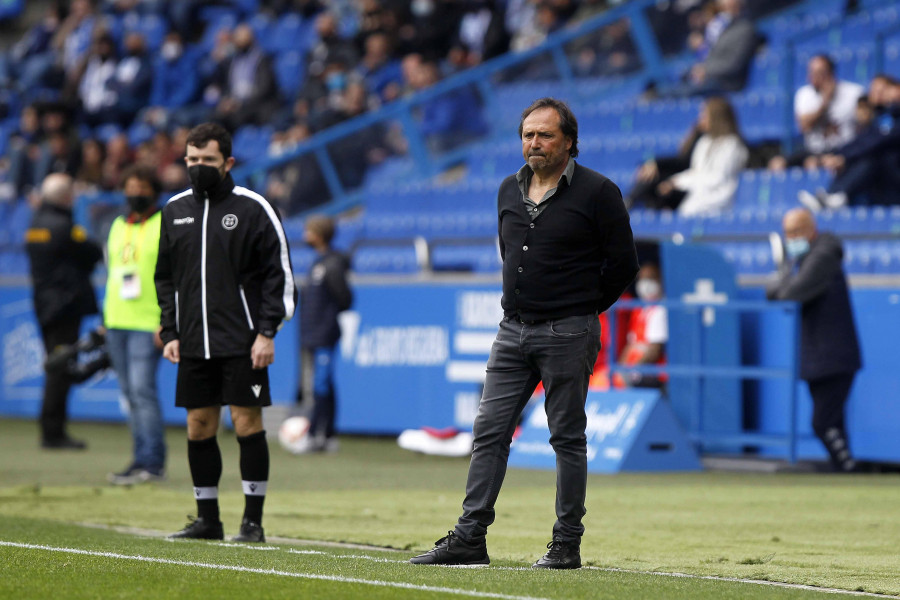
pixel 217 381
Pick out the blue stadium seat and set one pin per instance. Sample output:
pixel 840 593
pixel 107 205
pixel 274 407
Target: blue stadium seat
pixel 479 258
pixel 263 26
pixel 385 260
pixel 290 32
pixel 290 70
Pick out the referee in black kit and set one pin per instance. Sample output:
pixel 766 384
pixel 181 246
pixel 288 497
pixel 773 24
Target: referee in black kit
pixel 225 286
pixel 568 253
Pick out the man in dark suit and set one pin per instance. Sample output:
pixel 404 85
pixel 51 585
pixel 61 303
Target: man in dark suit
pixel 62 259
pixel 829 350
pixel 728 62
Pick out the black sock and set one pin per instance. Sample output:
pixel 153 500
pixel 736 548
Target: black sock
pixel 254 474
pixel 205 461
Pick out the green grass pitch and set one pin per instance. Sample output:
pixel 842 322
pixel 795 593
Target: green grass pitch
pixel 343 525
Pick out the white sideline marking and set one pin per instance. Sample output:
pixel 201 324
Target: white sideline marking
pixel 797 586
pixel 335 578
pixel 779 584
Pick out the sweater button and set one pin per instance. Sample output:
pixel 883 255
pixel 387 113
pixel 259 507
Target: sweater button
pixel 531 225
pixel 525 248
pixel 520 269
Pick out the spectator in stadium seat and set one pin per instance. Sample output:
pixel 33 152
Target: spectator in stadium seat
pixel 450 119
pixel 94 82
pixel 131 318
pixel 75 35
pixel 867 169
pixel 133 81
pixel 812 275
pixel 645 192
pixel 717 160
pixel 647 332
pixel 728 60
pixel 62 258
pixel 568 254
pixel 325 294
pixel 825 109
pixel 330 48
pixel 378 67
pixel 175 81
pixel 246 81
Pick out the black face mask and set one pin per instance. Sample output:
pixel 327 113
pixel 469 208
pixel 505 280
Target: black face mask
pixel 139 204
pixel 204 177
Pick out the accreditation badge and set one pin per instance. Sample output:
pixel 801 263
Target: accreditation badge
pixel 131 286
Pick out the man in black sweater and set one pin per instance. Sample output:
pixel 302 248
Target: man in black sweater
pixel 62 259
pixel 829 348
pixel 568 253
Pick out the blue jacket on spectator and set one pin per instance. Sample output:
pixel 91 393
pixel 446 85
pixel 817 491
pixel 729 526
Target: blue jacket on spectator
pixel 175 82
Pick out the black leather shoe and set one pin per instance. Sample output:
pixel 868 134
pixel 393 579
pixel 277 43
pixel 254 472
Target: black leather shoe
pixel 63 443
pixel 201 529
pixel 453 550
pixel 560 555
pixel 250 532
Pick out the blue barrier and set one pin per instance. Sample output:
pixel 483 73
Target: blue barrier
pixel 699 312
pixel 413 354
pixel 633 430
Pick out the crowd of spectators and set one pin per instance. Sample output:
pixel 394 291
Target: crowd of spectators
pixel 97 84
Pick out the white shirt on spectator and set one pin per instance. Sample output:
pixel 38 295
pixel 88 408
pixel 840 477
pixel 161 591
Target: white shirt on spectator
pixel 841 115
pixel 712 179
pixel 656 330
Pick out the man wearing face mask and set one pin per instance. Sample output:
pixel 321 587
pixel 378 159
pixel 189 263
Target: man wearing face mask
pixel 812 275
pixel 225 286
pixel 648 332
pixel 131 318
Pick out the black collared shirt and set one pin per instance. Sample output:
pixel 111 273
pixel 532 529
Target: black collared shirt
pixel 523 177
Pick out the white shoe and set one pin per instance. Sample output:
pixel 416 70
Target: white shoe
pixel 834 201
pixel 810 201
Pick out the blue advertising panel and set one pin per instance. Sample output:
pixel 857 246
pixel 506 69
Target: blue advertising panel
pixel 699 274
pixel 415 355
pixel 98 398
pixel 626 431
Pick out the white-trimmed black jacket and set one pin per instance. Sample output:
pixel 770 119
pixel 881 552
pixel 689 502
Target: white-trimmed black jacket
pixel 224 271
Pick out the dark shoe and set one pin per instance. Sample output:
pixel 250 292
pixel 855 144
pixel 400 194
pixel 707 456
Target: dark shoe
pixel 560 555
pixel 250 532
pixel 453 550
pixel 201 529
pixel 63 443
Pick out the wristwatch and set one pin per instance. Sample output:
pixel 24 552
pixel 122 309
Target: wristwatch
pixel 269 333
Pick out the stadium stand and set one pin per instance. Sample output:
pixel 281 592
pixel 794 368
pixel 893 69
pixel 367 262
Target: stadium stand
pixel 408 194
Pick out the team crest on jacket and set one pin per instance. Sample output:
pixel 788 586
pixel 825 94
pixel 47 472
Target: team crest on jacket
pixel 229 222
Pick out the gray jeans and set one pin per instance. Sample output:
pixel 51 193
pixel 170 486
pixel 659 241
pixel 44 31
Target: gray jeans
pixel 561 353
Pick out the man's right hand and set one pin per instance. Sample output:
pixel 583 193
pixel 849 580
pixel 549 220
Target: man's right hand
pixel 172 351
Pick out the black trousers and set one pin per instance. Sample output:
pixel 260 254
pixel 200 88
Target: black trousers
pixel 562 354
pixel 829 395
pixel 56 385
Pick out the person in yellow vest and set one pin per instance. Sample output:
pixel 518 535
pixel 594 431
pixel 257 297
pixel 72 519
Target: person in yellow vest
pixel 131 317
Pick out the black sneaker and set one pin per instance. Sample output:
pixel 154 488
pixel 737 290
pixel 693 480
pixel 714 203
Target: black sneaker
pixel 453 550
pixel 201 529
pixel 560 555
pixel 250 532
pixel 63 443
